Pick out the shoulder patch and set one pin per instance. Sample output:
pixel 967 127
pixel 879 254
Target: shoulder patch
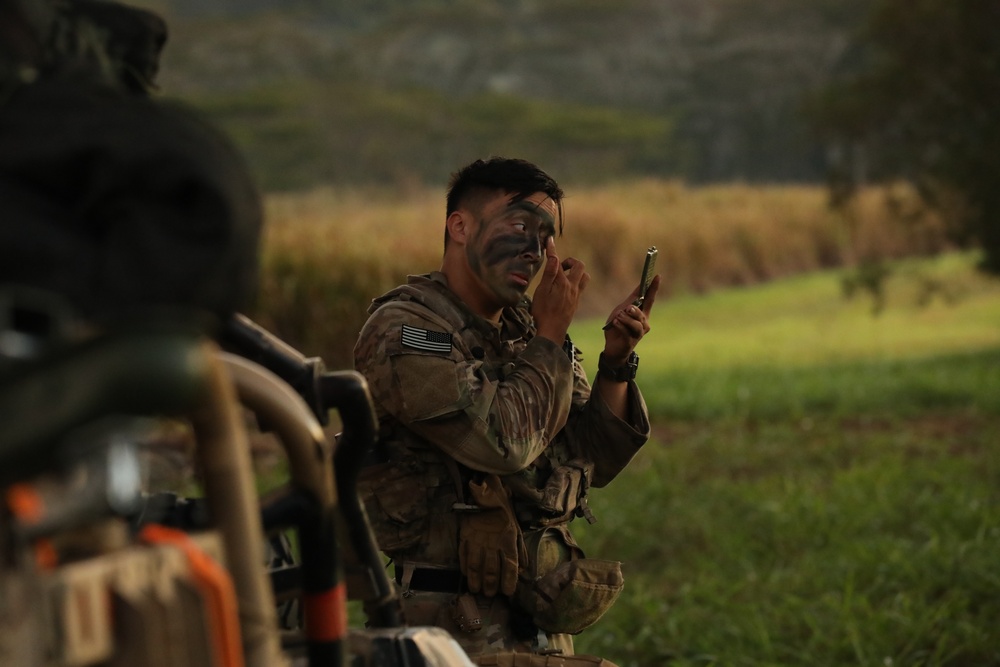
pixel 425 339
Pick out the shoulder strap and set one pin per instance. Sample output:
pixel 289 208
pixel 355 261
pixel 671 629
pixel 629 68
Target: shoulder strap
pixel 430 295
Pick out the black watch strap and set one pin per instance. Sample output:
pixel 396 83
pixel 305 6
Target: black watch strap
pixel 621 373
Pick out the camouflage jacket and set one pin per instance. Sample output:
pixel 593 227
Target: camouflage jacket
pixel 456 394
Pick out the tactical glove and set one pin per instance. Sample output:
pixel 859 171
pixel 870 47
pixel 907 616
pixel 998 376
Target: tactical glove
pixel 490 543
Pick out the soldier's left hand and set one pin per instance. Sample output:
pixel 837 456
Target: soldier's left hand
pixel 627 323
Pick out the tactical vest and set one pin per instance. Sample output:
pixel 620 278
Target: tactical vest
pixel 406 467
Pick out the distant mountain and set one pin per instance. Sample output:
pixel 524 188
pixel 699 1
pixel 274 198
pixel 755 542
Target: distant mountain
pixel 707 90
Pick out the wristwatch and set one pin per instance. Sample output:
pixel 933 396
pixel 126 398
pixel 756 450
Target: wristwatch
pixel 622 373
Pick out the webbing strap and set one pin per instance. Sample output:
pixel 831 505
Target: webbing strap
pixel 26 505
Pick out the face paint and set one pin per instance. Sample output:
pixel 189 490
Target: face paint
pixel 507 247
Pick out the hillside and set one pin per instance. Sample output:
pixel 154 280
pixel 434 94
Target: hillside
pixel 708 90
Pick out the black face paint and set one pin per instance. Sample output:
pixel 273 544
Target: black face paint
pixel 512 246
pixel 546 223
pixel 505 255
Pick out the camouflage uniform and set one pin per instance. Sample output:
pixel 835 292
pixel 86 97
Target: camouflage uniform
pixel 457 394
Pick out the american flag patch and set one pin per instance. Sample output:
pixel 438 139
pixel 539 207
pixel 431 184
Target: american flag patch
pixel 429 341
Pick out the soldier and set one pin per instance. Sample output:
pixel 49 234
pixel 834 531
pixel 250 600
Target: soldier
pixel 490 433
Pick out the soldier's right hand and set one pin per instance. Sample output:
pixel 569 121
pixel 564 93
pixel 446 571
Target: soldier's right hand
pixel 558 294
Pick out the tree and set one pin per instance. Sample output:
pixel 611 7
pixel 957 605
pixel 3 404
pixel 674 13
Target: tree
pixel 921 101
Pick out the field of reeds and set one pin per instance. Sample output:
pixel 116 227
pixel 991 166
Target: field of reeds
pixel 823 481
pixel 328 252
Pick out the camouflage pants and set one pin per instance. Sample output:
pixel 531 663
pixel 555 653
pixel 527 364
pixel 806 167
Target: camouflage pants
pixel 496 632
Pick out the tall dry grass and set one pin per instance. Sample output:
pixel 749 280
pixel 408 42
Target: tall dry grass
pixel 328 252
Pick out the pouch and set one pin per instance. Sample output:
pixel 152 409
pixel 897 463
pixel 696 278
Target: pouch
pixel 562 590
pixel 391 494
pixel 565 494
pixel 563 497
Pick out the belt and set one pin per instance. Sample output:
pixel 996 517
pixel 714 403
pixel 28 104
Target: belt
pixel 430 579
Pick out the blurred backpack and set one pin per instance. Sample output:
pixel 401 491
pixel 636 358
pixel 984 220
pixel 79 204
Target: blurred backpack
pixel 121 204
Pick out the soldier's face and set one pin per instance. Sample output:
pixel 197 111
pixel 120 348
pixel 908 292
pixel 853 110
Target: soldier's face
pixel 508 242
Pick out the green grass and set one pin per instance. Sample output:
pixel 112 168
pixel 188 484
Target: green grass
pixel 798 347
pixel 840 544
pixel 823 485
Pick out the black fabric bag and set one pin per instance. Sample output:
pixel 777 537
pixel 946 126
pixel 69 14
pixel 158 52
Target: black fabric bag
pixel 120 203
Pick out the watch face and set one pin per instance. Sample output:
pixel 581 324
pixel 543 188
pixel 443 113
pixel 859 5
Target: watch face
pixel 633 366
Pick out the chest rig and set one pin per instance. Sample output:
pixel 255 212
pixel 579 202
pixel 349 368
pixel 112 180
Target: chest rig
pixel 445 482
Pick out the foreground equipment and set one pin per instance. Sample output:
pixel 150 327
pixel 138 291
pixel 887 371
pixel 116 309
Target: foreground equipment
pixel 86 579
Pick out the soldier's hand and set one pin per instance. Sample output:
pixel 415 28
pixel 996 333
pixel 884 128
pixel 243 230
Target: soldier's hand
pixel 557 296
pixel 627 324
pixel 491 547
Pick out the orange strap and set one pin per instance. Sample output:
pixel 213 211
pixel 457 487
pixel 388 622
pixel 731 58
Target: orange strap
pixel 28 507
pixel 326 614
pixel 216 587
pixel 25 503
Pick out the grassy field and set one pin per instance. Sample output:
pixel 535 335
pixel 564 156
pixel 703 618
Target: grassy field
pixel 796 347
pixel 822 484
pixel 822 487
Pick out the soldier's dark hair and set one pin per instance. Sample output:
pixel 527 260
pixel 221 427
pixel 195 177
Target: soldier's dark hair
pixel 519 177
